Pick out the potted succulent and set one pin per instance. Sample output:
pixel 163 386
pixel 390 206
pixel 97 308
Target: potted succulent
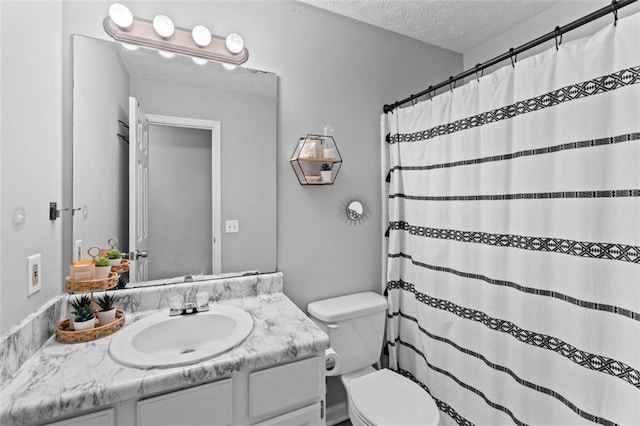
pixel 114 257
pixel 102 267
pixel 325 172
pixel 83 318
pixel 107 312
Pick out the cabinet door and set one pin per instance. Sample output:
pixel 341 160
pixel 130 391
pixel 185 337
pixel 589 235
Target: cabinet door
pixel 286 387
pixel 307 416
pixel 210 404
pixel 99 418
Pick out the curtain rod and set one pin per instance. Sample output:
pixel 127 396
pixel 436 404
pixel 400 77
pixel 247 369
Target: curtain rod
pixel 513 52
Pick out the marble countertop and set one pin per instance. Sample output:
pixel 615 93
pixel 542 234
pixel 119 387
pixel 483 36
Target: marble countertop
pixel 62 379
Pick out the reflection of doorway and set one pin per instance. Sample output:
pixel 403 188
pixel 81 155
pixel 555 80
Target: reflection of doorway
pixel 184 197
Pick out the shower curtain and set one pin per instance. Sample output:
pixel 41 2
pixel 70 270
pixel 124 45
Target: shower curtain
pixel 513 249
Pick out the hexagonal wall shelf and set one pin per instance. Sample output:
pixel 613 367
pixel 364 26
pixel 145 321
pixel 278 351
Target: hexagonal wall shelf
pixel 316 160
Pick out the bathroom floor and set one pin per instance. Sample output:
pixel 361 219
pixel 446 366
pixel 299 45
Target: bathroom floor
pixel 345 423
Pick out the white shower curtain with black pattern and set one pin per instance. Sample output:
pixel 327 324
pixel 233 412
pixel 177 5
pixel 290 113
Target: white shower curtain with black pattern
pixel 513 252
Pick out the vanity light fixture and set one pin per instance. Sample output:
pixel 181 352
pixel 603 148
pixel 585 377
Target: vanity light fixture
pixel 163 26
pixel 200 61
pixel 121 16
pixel 129 46
pixel 166 55
pixel 234 43
pixel 201 35
pixel 163 35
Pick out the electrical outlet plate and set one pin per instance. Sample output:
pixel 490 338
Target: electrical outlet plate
pixel 34 274
pixel 231 226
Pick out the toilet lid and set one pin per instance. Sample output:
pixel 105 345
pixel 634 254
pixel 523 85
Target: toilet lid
pixel 387 398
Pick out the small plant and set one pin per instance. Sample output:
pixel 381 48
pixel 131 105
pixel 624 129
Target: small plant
pixel 106 301
pixel 84 313
pixel 83 310
pixel 84 300
pixel 325 167
pixel 114 254
pixel 101 261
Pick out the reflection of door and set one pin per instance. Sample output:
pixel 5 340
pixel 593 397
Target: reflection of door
pixel 138 190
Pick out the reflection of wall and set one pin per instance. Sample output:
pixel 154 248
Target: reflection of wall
pixel 100 158
pixel 248 166
pixel 180 230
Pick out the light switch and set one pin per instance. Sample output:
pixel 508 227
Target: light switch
pixel 231 226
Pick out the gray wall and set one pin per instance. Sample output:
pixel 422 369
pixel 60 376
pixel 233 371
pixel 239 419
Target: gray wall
pixel 561 14
pixel 31 118
pixel 332 70
pixel 248 163
pixel 180 231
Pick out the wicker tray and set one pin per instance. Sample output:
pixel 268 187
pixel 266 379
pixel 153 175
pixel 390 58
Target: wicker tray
pixel 79 286
pixel 65 335
pixel 122 267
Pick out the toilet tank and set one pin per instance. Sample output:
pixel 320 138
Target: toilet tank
pixel 355 325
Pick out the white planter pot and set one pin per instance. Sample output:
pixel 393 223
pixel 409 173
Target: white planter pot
pixel 84 325
pixel 326 175
pixel 102 272
pixel 106 317
pixel 115 262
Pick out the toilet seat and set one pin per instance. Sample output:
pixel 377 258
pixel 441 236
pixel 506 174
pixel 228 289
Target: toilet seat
pixel 387 398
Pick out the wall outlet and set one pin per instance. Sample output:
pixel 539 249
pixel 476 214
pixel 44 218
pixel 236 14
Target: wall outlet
pixel 231 226
pixel 34 273
pixel 77 251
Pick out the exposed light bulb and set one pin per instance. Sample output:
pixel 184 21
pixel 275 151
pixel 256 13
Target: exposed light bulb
pixel 129 46
pixel 229 67
pixel 163 26
pixel 199 61
pixel 234 43
pixel 165 54
pixel 121 16
pixel 201 35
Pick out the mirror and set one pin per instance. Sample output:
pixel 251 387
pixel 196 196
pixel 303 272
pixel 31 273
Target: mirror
pixel 194 190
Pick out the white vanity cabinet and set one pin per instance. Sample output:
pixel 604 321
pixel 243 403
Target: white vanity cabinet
pixel 289 394
pixel 200 405
pixel 98 418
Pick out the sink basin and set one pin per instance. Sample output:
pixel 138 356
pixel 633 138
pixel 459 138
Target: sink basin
pixel 159 341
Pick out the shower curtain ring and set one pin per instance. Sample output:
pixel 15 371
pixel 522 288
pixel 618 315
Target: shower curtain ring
pixel 558 37
pixel 615 12
pixel 513 57
pixel 452 83
pixel 413 100
pixel 479 70
pixel 429 93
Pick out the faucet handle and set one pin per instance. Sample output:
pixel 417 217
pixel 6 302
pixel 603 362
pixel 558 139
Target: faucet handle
pixel 176 304
pixel 202 301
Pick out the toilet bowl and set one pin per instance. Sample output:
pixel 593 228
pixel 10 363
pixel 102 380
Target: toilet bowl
pixel 355 325
pixel 383 397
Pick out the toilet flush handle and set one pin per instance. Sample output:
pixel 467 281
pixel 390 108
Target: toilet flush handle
pixel 333 326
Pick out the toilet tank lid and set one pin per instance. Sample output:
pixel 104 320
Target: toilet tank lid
pixel 349 306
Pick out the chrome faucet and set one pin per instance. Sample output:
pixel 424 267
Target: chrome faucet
pixel 180 306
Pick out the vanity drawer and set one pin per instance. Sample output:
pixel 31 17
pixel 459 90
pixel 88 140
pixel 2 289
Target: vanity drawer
pixel 210 404
pixel 285 387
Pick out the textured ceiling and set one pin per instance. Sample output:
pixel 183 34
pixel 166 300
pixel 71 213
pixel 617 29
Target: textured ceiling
pixel 458 25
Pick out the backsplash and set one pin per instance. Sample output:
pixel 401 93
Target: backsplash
pixel 20 342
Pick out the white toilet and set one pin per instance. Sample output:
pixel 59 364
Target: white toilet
pixel 355 325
